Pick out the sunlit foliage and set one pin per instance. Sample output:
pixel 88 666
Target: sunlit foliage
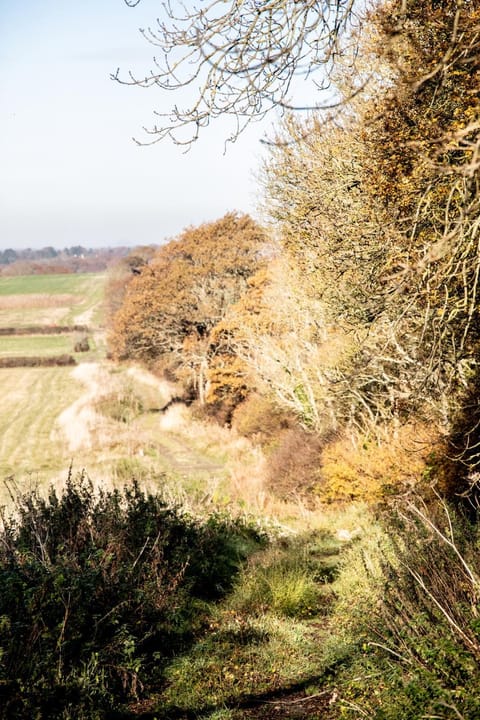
pixel 171 307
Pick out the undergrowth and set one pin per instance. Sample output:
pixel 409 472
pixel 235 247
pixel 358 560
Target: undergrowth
pixel 99 590
pixel 117 604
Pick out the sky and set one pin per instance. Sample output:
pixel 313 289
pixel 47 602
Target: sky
pixel 70 172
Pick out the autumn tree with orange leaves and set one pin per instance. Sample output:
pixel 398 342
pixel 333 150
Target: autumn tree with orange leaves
pixel 172 305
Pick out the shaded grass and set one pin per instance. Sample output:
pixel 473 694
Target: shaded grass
pixel 268 635
pixel 243 656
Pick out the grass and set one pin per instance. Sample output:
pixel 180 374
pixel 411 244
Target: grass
pixel 75 284
pixel 242 656
pixel 29 345
pixel 268 634
pixel 29 442
pixel 62 299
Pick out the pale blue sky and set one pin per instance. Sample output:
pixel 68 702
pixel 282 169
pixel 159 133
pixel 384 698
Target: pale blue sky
pixel 69 170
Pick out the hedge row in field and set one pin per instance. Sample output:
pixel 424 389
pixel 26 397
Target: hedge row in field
pixel 37 361
pixel 43 329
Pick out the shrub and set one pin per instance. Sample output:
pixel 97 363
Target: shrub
pixel 370 468
pixel 294 466
pixel 120 406
pixel 98 591
pixel 43 329
pixel 37 361
pixel 82 345
pixel 258 417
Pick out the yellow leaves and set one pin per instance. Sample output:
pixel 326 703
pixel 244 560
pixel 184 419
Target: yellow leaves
pixel 368 469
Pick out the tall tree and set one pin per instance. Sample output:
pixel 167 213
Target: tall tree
pixel 171 307
pixel 422 143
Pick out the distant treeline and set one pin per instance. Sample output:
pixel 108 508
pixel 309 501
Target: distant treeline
pixel 47 253
pixel 49 260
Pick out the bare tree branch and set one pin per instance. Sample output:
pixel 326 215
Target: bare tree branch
pixel 240 58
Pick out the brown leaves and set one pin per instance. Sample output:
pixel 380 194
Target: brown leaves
pixel 171 307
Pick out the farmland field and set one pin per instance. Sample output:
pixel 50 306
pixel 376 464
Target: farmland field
pixel 33 398
pixel 51 299
pixel 35 345
pixel 98 416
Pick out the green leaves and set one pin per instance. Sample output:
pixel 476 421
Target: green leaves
pixel 99 590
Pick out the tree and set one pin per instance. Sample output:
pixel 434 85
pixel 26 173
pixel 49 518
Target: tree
pixel 241 57
pixel 119 276
pixel 315 192
pixel 274 340
pixel 380 211
pixel 171 307
pixel 422 139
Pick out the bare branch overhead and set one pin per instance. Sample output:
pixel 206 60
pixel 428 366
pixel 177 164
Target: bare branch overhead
pixel 239 58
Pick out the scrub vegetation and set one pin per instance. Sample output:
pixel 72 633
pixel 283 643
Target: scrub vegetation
pixel 278 516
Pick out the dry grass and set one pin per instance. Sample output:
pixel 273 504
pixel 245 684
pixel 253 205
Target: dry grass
pixel 36 300
pixel 32 399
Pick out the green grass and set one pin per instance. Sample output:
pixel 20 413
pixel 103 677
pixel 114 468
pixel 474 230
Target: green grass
pixel 76 284
pixel 268 635
pixel 29 345
pixel 44 299
pixel 242 656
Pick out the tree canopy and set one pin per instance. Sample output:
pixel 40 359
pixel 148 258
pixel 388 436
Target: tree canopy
pixel 171 306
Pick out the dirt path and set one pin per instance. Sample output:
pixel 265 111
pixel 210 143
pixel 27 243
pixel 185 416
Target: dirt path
pixel 80 423
pixel 84 428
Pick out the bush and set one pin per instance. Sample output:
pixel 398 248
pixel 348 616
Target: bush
pixel 258 417
pixel 98 591
pixel 37 361
pixel 123 406
pixel 294 466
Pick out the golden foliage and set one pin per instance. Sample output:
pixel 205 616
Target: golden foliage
pixel 171 307
pixel 370 468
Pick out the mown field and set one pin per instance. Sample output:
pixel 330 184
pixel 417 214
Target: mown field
pixel 32 445
pixel 96 415
pixel 51 299
pixel 32 400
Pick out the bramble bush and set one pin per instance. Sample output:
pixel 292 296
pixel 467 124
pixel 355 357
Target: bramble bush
pixel 98 590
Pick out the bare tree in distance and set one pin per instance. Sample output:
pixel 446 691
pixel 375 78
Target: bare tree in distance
pixel 241 58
